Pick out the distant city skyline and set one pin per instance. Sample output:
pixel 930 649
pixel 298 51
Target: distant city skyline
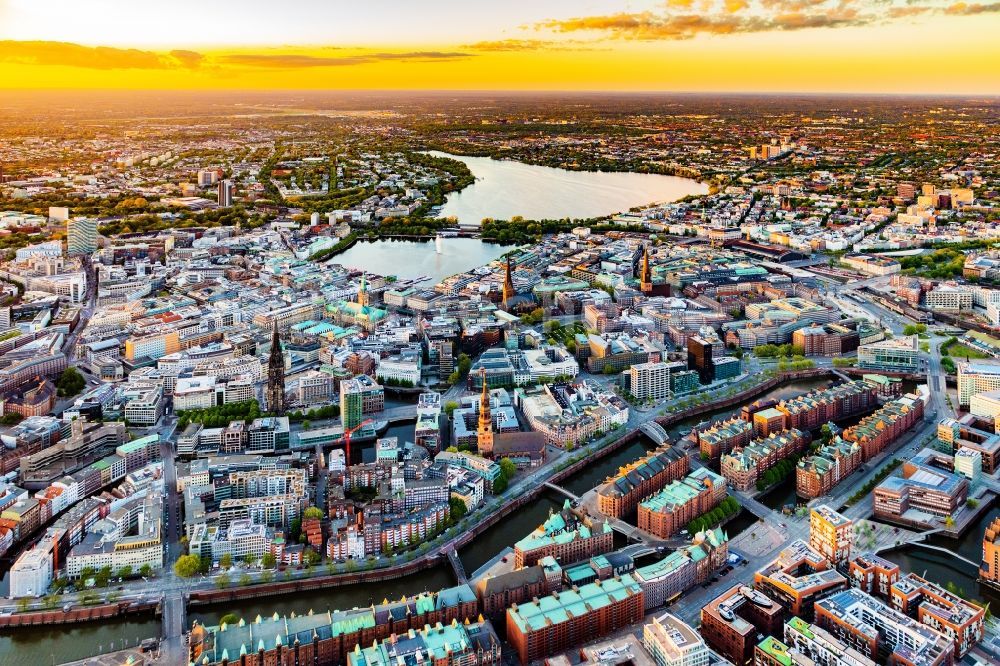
pixel 837 46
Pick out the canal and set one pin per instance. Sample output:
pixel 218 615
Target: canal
pixel 945 569
pixel 35 645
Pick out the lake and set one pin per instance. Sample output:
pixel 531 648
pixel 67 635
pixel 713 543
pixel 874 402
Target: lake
pixel 505 188
pixel 408 259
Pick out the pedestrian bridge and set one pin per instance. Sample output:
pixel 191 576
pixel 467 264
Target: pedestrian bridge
pixel 561 490
pixel 655 432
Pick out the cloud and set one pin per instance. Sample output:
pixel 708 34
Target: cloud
pixel 298 61
pixel 189 59
pixel 911 10
pixel 66 54
pixel 971 9
pixel 733 6
pixel 529 45
pixel 650 26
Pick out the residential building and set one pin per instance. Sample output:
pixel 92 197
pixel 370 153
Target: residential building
pixel 941 610
pixel 989 572
pixel 731 622
pixel 818 647
pixel 652 380
pixel 830 534
pixel 873 574
pixel 881 632
pixel 798 577
pixel 673 643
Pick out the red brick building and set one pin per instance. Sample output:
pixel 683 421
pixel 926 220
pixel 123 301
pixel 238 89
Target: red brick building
pixel 539 629
pixel 632 483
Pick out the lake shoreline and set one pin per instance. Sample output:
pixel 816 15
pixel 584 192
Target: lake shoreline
pixel 507 188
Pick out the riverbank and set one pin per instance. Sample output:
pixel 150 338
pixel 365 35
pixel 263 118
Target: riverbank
pixel 78 615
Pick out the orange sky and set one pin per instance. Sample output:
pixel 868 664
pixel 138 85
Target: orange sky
pixel 895 46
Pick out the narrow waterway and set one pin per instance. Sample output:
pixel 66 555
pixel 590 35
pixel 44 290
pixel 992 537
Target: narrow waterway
pixel 34 646
pixel 942 568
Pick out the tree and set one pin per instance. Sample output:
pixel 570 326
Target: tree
pixel 222 581
pixel 244 580
pixel 949 521
pixel 125 572
pixel 229 618
pixel 187 566
pixel 145 570
pixel 70 382
pixel 249 559
pixel 457 509
pixel 310 557
pixel 103 577
pixel 313 512
pixel 22 604
pixel 450 407
pixel 268 561
pixel 507 467
pixel 226 561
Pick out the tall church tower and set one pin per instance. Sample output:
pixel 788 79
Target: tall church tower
pixel 508 285
pixel 485 431
pixel 363 292
pixel 646 273
pixel 275 390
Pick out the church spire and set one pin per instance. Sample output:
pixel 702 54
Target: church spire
pixel 646 273
pixel 508 285
pixel 484 434
pixel 275 390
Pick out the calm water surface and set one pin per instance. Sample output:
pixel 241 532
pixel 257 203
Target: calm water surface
pixel 410 259
pixel 505 188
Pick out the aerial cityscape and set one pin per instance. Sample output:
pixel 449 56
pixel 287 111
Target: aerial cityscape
pixel 446 334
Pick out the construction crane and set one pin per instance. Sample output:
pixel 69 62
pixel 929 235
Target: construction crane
pixel 347 438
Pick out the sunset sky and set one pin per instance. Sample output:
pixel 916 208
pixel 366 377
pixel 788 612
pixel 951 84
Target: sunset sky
pixel 891 46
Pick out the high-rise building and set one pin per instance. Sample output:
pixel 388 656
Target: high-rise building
pixel 226 193
pixel 830 534
pixel 700 354
pixel 81 236
pixel 359 396
pixel 652 380
pixel 207 177
pixel 674 643
pixel 275 393
pixel 484 433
